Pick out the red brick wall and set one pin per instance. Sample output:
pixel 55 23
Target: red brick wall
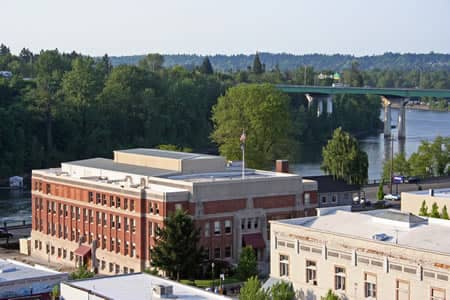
pixel 220 206
pixel 274 201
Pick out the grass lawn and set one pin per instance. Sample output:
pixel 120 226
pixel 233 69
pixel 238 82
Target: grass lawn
pixel 204 283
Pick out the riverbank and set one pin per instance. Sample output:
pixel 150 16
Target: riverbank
pixel 418 107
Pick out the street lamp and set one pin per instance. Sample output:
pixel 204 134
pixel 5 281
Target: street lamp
pixel 212 276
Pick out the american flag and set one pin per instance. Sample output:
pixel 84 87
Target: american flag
pixel 243 137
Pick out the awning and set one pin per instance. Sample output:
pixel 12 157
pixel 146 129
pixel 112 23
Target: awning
pixel 82 251
pixel 255 240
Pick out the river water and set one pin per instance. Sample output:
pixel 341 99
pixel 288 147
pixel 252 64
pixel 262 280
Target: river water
pixel 420 125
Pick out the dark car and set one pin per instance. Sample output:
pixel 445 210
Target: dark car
pixel 6 235
pixel 413 179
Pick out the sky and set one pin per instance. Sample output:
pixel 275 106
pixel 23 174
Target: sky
pixel 96 27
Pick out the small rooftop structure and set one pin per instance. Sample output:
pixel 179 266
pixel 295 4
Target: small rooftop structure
pixel 404 229
pixel 140 286
pixel 21 280
pixel 328 184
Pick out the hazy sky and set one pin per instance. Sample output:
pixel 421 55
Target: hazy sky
pixel 95 27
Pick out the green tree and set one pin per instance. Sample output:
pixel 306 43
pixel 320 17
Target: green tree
pixel 282 291
pixel 176 248
pixel 152 62
pixel 55 292
pixel 252 290
pixel 423 209
pixel 206 67
pixel 257 66
pixel 263 112
pixel 380 193
pixel 432 158
pixel 330 296
pixel 344 159
pixel 81 273
pixel 401 166
pixel 171 147
pixel 444 214
pixel 247 265
pixel 435 211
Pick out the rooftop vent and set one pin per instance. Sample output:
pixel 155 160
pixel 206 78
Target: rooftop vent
pixel 163 291
pixel 381 237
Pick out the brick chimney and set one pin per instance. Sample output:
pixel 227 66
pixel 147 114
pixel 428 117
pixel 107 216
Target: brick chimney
pixel 282 166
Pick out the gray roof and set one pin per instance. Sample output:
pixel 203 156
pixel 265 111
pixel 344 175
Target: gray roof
pixel 109 164
pixel 139 286
pixel 10 270
pixel 399 216
pixel 165 153
pixel 444 193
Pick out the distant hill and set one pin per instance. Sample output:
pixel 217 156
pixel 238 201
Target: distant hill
pixel 284 61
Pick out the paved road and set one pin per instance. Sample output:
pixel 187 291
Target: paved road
pixel 434 183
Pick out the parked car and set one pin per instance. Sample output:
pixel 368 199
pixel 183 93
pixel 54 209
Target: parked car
pixel 392 197
pixel 6 235
pixel 413 179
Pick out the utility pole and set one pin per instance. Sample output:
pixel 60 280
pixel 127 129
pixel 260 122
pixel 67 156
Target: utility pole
pixel 304 77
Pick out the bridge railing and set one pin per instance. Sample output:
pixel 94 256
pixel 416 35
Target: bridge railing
pixel 13 224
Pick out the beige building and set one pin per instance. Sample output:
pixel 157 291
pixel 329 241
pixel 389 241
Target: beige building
pixel 412 201
pixel 381 254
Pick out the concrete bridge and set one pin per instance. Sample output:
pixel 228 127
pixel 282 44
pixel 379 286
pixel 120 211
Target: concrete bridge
pixel 322 94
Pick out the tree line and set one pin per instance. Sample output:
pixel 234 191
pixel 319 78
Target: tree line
pixel 67 106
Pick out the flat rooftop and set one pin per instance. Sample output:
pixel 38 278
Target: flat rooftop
pixel 139 286
pixel 443 193
pixel 400 228
pixel 227 175
pixel 167 153
pixel 11 270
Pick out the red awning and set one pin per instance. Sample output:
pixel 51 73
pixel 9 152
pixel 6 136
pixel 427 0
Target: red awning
pixel 82 251
pixel 255 240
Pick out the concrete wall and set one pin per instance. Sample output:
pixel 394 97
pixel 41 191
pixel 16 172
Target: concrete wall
pixel 357 257
pixel 412 202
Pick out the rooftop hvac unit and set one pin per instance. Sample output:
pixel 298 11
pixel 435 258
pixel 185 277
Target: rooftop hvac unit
pixel 163 291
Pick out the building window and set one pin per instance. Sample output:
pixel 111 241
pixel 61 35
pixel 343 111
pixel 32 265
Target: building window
pixel 103 265
pixel 125 270
pixel 90 196
pixel 256 223
pixel 117 202
pixel 334 198
pixel 127 245
pixel 64 253
pixel 104 219
pixel 249 224
pixel 216 252
pixel 47 188
pixel 217 230
pixel 156 209
pixel 339 278
pixel 131 270
pixel 71 255
pixel 111 201
pixel 370 285
pixel 104 242
pixel 97 198
pixel 227 226
pixel 125 203
pixel 206 229
pixel 243 224
pixel 228 251
pixel 131 204
pixel 112 245
pixel 113 223
pixel 402 290
pixel 324 199
pixel 133 250
pixel 117 267
pixel 36 244
pixel 111 267
pixel 118 246
pixel 133 225
pixel 127 224
pixel 311 272
pixel 150 208
pixel 437 294
pixel 307 197
pixel 103 199
pixel 91 217
pixel 284 265
pixel 118 222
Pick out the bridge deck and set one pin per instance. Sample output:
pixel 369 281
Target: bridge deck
pixel 393 92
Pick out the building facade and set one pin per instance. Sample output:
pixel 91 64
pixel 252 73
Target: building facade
pixel 104 212
pixel 335 192
pixel 412 201
pixel 381 254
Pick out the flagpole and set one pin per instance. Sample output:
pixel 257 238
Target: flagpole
pixel 243 161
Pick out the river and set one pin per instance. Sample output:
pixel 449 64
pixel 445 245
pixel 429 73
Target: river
pixel 420 125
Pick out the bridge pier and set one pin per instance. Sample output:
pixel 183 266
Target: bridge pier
pixel 387 116
pixel 402 119
pixel 320 102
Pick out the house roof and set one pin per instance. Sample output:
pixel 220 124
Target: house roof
pixel 328 184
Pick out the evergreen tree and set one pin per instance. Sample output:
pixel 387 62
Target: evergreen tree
pixel 435 211
pixel 257 66
pixel 444 214
pixel 176 251
pixel 380 193
pixel 330 296
pixel 252 290
pixel 206 67
pixel 282 291
pixel 248 265
pixel 423 209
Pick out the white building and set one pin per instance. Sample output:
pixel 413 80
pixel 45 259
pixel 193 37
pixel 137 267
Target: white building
pixel 18 280
pixel 136 286
pixel 381 254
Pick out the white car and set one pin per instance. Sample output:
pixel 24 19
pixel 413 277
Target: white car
pixel 392 197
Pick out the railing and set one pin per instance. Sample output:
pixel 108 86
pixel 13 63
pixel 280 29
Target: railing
pixel 15 224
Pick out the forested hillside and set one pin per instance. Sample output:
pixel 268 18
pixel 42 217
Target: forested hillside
pixel 284 61
pixel 65 106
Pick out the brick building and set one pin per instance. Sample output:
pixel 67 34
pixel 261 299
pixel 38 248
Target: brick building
pixel 104 212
